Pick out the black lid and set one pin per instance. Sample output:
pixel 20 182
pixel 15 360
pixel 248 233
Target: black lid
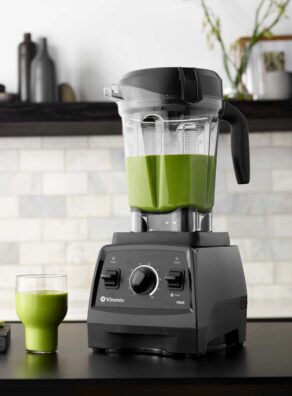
pixel 186 83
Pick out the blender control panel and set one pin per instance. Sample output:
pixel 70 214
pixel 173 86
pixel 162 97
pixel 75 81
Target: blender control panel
pixel 137 278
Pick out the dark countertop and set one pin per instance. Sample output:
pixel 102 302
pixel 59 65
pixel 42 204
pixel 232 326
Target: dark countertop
pixel 264 365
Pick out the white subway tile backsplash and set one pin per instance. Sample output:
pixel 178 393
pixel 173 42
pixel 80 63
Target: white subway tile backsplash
pixel 281 139
pixel 89 205
pixel 249 226
pixel 254 249
pixel 264 249
pixel 41 160
pixel 9 253
pixel 83 252
pixel 79 297
pixel 8 206
pixel 219 223
pixel 7 298
pixel 107 182
pixel 8 160
pixel 220 186
pixel 20 230
pixel 105 141
pixel 272 292
pixel 42 253
pixel 77 275
pixel 261 139
pixel 118 159
pixel 260 180
pixel 284 272
pixel 268 158
pixel 41 206
pixel 230 203
pixel 268 203
pixel 64 229
pixel 282 225
pixel 20 143
pixel 102 229
pixel 8 274
pixel 281 249
pixel 63 142
pixel 261 272
pixel 64 183
pixel 121 205
pixel 78 303
pixel 224 160
pixel 255 203
pixel 88 159
pixel 282 179
pixel 267 307
pixel 20 183
pixel 91 270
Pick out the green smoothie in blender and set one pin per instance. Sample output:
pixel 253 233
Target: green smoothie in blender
pixel 161 183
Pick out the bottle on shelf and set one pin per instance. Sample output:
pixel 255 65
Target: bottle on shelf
pixel 43 76
pixel 26 53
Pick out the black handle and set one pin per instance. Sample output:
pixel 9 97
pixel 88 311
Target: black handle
pixel 239 141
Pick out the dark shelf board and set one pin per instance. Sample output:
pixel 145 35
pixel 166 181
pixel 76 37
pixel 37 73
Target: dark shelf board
pixel 267 115
pixel 59 119
pixel 101 118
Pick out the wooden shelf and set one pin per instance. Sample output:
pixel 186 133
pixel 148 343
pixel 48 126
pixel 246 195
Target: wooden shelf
pixel 59 119
pixel 101 118
pixel 267 115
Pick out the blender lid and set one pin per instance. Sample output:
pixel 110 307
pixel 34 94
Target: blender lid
pixel 185 83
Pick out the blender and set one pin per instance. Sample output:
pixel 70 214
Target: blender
pixel 171 285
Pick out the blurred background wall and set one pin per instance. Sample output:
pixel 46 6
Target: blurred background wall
pixel 95 42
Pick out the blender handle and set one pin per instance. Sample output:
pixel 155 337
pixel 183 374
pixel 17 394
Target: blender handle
pixel 239 141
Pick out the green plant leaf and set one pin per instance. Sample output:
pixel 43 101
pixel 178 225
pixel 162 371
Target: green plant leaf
pixel 268 14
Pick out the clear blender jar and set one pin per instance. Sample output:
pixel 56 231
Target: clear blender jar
pixel 170 122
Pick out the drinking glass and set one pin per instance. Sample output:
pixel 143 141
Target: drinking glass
pixel 41 305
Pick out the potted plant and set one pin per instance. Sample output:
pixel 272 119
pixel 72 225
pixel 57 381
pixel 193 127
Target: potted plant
pixel 268 14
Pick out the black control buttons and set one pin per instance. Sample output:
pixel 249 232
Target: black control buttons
pixel 143 280
pixel 111 278
pixel 175 280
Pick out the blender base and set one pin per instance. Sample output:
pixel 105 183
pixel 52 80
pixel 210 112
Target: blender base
pixel 221 346
pixel 206 311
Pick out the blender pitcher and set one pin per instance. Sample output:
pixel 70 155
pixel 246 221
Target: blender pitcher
pixel 171 119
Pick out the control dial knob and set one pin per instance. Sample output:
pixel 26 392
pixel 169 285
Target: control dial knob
pixel 143 280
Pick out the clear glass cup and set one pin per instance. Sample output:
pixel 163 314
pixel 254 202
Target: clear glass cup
pixel 41 305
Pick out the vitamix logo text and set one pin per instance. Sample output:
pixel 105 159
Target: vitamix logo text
pixel 104 299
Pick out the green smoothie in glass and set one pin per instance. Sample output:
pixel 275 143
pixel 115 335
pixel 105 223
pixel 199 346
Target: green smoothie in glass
pixel 41 312
pixel 161 183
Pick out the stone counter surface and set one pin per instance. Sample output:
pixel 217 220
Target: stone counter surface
pixel 264 365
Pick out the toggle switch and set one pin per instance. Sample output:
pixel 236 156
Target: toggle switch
pixel 111 278
pixel 175 280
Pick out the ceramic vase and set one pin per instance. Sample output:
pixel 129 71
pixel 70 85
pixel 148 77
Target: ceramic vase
pixel 43 76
